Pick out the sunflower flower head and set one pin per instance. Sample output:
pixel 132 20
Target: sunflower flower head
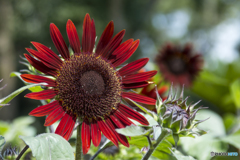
pixel 88 85
pixel 175 114
pixel 179 65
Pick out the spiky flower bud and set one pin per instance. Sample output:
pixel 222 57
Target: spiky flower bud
pixel 11 153
pixel 175 114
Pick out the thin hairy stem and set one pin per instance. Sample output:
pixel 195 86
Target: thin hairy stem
pixel 79 154
pixel 22 152
pixel 162 136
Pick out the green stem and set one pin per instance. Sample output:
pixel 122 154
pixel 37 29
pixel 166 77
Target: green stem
pixel 79 154
pixel 22 152
pixel 164 134
pixel 150 145
pixel 107 144
pixel 97 153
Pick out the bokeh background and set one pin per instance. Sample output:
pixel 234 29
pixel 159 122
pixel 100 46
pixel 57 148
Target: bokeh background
pixel 213 27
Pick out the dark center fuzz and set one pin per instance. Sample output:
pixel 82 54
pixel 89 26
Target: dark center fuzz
pixel 177 65
pixel 92 83
pixel 88 86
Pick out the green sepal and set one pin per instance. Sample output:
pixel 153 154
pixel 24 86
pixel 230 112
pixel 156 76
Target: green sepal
pixel 184 132
pixel 190 134
pixel 176 139
pixel 199 132
pixel 189 124
pixel 176 125
pixel 159 102
pixel 167 120
pixel 163 110
pixel 196 122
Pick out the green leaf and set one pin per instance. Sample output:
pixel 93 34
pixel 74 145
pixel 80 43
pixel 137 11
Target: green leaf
pixel 213 78
pixel 17 74
pixel 229 120
pixel 150 120
pixel 233 140
pixel 161 152
pixel 215 120
pixel 235 91
pixel 150 113
pixel 7 99
pixel 207 143
pixel 36 89
pixel 156 132
pixel 49 146
pixel 179 156
pixel 133 131
pixel 19 126
pixel 33 89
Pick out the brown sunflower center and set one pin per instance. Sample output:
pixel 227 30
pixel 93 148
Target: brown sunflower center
pixel 92 83
pixel 88 86
pixel 176 65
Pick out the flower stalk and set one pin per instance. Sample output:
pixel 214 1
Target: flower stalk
pixel 22 152
pixel 152 147
pixel 79 154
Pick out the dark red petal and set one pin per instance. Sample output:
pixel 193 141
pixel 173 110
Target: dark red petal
pixel 73 37
pixel 66 125
pixel 121 138
pixel 89 34
pixel 48 53
pixel 133 114
pixel 70 127
pixel 187 49
pixel 127 55
pixel 42 95
pixel 93 35
pixel 135 85
pixel 45 109
pixel 58 41
pixel 86 137
pixel 108 133
pixel 112 45
pixel 105 37
pixel 139 98
pixel 54 116
pixel 37 79
pixel 133 66
pixel 40 66
pixel 123 118
pixel 95 134
pixel 49 62
pixel 121 50
pixel 116 121
pixel 139 77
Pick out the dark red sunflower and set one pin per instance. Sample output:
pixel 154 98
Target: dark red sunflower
pixel 178 64
pixel 87 85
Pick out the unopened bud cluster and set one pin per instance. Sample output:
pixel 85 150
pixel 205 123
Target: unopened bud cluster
pixel 176 115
